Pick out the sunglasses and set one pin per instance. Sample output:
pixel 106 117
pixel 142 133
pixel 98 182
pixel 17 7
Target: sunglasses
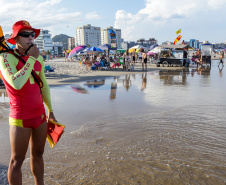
pixel 26 34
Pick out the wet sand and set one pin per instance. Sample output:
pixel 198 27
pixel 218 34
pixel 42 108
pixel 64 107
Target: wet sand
pixel 141 136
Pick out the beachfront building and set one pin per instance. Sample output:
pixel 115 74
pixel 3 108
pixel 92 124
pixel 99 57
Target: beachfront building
pixel 71 43
pixel 147 43
pixel 197 44
pixel 44 41
pixel 87 35
pixel 128 44
pixel 58 49
pixel 192 43
pixel 219 45
pixel 106 38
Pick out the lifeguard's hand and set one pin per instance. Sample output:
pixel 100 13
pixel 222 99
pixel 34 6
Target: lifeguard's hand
pixel 51 117
pixel 34 52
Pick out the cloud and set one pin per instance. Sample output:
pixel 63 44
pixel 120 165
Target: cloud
pixel 164 16
pixel 92 15
pixel 48 14
pixel 216 3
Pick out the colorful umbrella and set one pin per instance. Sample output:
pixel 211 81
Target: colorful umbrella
pixel 105 47
pixel 94 50
pixel 76 50
pixel 54 132
pixel 150 53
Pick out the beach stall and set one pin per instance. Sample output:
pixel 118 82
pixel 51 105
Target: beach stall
pixel 206 53
pixel 173 55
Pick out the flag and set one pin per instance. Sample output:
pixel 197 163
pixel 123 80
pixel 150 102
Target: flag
pixel 178 31
pixel 177 39
pixel 54 132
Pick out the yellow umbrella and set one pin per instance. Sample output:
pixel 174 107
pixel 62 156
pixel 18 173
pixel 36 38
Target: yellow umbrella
pixel 131 50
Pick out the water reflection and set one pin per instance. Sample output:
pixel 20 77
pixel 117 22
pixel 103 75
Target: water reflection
pixel 141 81
pixel 174 77
pixel 77 88
pixel 95 83
pixel 144 81
pixel 3 95
pixel 204 71
pixel 127 82
pixel 220 70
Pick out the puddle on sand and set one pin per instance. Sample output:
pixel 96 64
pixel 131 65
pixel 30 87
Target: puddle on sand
pixel 162 127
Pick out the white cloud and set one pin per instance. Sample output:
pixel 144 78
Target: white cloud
pixel 92 15
pixel 48 14
pixel 216 3
pixel 163 15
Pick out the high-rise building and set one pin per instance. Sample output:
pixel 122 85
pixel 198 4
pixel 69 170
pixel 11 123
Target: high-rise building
pixel 192 43
pixel 87 35
pixel 106 37
pixel 71 43
pixel 44 41
pixel 196 44
pixel 58 49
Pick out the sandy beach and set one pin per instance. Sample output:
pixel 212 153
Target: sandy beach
pixel 169 130
pixel 72 72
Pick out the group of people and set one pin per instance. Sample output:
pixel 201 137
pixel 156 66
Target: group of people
pixel 129 60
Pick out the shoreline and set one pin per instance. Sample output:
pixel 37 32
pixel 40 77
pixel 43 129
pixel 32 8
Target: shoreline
pixel 76 73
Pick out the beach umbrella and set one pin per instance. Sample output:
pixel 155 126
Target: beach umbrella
pixel 105 47
pixel 135 48
pixel 76 50
pixel 153 46
pixel 150 53
pixel 94 50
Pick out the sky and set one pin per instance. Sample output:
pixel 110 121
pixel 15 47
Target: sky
pixel 203 20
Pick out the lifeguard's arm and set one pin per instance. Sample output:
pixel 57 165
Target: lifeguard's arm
pixel 15 78
pixel 45 89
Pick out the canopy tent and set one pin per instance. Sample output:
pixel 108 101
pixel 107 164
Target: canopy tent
pixel 169 46
pixel 107 47
pixel 135 48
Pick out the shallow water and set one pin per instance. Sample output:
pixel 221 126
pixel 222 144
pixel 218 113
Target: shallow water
pixel 160 127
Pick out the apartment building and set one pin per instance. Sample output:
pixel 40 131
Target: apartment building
pixel 106 38
pixel 44 41
pixel 87 35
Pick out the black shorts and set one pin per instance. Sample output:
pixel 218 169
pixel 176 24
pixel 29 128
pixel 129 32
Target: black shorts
pixel 145 60
pixel 133 58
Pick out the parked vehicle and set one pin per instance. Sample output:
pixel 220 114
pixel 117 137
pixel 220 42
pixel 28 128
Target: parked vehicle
pixel 173 55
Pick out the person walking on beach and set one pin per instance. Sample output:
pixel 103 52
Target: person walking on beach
pixel 221 59
pixel 134 57
pixel 66 56
pixel 126 60
pixel 44 55
pixel 27 118
pixel 144 59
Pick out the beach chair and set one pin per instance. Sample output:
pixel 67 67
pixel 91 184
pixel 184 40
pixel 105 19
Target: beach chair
pixel 102 65
pixel 48 69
